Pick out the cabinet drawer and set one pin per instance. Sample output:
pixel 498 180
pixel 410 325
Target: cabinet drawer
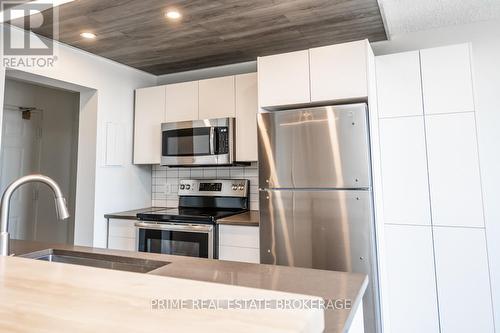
pixel 121 243
pixel 242 254
pixel 239 236
pixel 122 228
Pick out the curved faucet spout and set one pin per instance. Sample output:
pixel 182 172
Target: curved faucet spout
pixel 61 208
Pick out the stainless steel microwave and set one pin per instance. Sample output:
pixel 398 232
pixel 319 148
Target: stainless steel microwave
pixel 198 142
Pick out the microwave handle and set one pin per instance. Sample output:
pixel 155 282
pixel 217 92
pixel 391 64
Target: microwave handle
pixel 212 140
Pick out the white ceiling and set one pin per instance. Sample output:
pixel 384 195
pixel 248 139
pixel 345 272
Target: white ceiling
pixel 404 16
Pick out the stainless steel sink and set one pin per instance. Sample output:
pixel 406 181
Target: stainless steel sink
pixel 137 265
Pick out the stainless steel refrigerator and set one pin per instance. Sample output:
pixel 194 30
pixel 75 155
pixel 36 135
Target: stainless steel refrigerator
pixel 315 193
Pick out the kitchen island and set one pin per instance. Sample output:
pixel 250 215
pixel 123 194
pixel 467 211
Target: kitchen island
pixel 183 277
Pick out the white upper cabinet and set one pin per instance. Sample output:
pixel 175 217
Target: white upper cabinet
pixel 447 79
pixel 246 117
pixel 411 291
pixel 149 114
pixel 284 79
pixel 339 72
pixel 405 185
pixel 217 98
pixel 399 85
pixel 181 101
pixel 455 184
pixel 336 73
pixel 463 282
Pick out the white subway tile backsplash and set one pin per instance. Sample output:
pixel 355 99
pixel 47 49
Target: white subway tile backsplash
pixel 251 172
pixel 210 173
pixel 196 173
pixel 236 172
pixel 222 172
pixel 165 181
pixel 174 173
pixel 184 173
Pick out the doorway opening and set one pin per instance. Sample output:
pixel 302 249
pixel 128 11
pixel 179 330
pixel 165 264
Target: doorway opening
pixel 39 135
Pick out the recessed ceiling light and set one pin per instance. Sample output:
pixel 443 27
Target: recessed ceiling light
pixel 88 35
pixel 173 14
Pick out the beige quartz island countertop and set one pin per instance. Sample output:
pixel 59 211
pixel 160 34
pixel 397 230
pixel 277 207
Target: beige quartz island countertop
pixel 39 288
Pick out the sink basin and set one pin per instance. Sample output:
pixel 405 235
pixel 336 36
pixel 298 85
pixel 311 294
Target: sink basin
pixel 128 264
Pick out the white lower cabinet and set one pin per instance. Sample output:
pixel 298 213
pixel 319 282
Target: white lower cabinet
pixel 411 290
pixel 239 243
pixel 122 234
pixel 463 282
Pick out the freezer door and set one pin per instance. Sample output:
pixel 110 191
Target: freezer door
pixel 317 229
pixel 331 230
pixel 323 147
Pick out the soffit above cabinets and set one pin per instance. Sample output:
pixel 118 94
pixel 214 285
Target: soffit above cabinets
pixel 405 16
pixel 211 33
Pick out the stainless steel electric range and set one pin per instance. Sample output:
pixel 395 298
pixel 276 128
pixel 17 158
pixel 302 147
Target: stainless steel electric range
pixel 191 229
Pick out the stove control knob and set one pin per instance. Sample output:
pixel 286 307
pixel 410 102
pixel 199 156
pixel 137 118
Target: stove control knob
pixel 234 187
pixel 241 187
pixel 188 187
pixel 182 186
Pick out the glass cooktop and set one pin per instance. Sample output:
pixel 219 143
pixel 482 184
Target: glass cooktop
pixel 195 215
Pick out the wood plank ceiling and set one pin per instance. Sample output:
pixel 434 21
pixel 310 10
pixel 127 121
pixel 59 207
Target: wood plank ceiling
pixel 211 32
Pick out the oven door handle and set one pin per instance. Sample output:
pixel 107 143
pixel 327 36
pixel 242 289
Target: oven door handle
pixel 212 140
pixel 175 227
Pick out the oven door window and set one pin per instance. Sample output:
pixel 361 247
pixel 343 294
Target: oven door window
pixel 186 142
pixel 181 243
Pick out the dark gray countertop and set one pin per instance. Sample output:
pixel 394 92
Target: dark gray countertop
pixel 250 218
pixel 326 284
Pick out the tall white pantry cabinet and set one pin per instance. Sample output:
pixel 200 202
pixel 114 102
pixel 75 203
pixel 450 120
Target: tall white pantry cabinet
pixel 435 256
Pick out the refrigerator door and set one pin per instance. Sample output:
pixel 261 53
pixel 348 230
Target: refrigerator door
pixel 331 230
pixel 317 229
pixel 322 147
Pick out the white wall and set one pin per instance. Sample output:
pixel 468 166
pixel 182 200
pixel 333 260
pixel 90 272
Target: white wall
pixel 58 151
pixel 485 39
pixel 107 95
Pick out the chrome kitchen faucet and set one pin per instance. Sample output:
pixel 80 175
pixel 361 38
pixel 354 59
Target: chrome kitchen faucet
pixel 61 208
